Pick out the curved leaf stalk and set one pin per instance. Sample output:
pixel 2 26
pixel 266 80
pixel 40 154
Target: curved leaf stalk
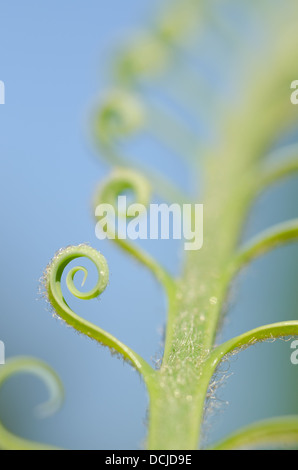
pixel 272 238
pixel 107 193
pixel 53 278
pixel 285 166
pixel 121 114
pixel 28 365
pixel 277 432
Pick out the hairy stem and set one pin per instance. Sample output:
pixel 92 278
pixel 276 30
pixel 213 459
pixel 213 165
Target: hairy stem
pixel 179 401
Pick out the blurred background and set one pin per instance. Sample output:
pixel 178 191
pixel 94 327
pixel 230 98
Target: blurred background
pixel 56 60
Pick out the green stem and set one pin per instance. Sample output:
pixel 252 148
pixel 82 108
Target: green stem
pixel 178 401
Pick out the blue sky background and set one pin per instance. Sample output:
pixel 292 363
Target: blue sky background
pixel 53 60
